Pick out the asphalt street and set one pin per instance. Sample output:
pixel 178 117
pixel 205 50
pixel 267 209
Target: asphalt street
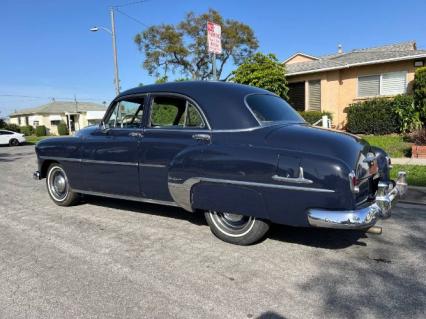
pixel 115 259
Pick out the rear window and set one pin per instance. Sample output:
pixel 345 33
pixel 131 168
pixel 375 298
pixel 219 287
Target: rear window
pixel 271 108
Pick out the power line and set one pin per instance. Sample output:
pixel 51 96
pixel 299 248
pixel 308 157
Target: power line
pixel 132 18
pixel 47 97
pixel 129 3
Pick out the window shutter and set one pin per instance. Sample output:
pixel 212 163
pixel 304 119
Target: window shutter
pixel 315 95
pixel 393 83
pixel 369 85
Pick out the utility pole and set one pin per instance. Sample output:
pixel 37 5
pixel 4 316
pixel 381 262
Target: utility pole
pixel 214 67
pixel 114 49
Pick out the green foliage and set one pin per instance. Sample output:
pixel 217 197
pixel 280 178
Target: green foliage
pixel 183 47
pixel 263 71
pixel 409 117
pixel 13 127
pixel 395 145
pixel 41 130
pixel 313 116
pixel 62 129
pixel 416 174
pixel 3 124
pixel 161 79
pixel 378 116
pixel 27 130
pixel 419 92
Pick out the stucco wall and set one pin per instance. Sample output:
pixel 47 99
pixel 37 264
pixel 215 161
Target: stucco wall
pixel 339 88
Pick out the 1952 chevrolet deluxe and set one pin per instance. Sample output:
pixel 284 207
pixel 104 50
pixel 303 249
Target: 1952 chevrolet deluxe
pixel 239 154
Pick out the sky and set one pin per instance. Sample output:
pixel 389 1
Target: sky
pixel 48 51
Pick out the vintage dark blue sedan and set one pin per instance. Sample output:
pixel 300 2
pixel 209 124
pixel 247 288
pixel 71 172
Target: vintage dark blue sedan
pixel 237 153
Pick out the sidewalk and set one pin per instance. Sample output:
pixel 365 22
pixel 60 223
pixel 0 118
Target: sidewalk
pixel 409 161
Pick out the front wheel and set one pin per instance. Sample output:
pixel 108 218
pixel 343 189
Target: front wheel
pixel 58 186
pixel 236 229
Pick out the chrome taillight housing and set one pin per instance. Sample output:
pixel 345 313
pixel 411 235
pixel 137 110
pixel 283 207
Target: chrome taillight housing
pixel 353 182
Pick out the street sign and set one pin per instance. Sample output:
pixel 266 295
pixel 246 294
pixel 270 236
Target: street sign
pixel 214 38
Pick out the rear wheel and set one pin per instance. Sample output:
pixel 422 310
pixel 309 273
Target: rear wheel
pixel 236 229
pixel 58 186
pixel 13 142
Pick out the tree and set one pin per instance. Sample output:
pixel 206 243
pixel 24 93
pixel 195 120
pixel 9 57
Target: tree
pixel 263 71
pixel 183 47
pixel 419 90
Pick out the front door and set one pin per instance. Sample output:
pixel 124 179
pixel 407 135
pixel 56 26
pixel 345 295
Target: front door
pixel 173 125
pixel 110 154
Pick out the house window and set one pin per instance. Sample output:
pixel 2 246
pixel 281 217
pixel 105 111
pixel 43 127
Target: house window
pixel 55 122
pixel 36 123
pixel 296 95
pixel 315 95
pixel 392 83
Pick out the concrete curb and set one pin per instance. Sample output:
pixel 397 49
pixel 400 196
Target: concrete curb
pixel 409 161
pixel 415 195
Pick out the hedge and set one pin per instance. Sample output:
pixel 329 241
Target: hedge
pixel 27 130
pixel 41 130
pixel 62 129
pixel 382 116
pixel 313 116
pixel 419 92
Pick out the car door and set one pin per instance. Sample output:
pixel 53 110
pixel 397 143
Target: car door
pixel 173 124
pixel 110 154
pixel 3 137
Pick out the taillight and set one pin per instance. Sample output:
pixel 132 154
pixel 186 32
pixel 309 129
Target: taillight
pixel 353 182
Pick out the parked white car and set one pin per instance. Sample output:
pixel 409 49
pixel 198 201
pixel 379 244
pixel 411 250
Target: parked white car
pixel 11 138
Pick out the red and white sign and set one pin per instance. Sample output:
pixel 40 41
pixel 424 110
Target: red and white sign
pixel 214 37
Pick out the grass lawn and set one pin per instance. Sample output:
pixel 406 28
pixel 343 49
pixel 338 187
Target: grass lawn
pixel 416 174
pixel 394 145
pixel 32 140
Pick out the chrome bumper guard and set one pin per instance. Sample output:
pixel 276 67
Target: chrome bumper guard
pixel 387 196
pixel 36 175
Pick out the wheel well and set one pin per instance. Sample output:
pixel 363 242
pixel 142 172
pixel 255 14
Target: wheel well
pixel 45 166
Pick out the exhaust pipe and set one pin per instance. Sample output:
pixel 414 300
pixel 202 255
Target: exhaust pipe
pixel 374 230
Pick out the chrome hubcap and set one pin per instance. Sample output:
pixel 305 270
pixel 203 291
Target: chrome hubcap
pixel 233 225
pixel 58 184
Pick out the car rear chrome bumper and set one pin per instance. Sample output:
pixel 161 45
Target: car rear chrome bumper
pixel 386 198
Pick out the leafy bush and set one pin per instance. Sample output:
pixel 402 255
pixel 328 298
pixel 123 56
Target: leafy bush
pixel 313 116
pixel 62 129
pixel 419 92
pixel 418 137
pixel 27 130
pixel 375 116
pixel 41 130
pixel 13 127
pixel 409 117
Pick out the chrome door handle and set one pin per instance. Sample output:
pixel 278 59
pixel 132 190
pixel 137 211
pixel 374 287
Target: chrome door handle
pixel 136 134
pixel 201 137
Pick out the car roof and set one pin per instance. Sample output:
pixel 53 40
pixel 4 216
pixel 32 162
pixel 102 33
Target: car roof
pixel 222 102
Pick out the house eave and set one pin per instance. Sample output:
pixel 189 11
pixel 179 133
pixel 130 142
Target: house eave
pixel 346 66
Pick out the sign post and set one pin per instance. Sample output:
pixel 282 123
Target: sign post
pixel 214 43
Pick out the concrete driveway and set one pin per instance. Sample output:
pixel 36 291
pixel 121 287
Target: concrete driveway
pixel 117 259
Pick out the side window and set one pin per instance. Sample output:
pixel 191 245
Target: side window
pixel 174 112
pixel 126 114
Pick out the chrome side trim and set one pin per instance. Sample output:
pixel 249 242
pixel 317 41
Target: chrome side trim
pixel 299 180
pixel 132 198
pixel 56 158
pixel 181 192
pixel 153 165
pixel 71 159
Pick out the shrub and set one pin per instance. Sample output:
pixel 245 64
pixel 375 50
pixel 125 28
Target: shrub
pixel 41 130
pixel 376 116
pixel 62 129
pixel 27 130
pixel 313 116
pixel 408 115
pixel 419 92
pixel 12 127
pixel 418 137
